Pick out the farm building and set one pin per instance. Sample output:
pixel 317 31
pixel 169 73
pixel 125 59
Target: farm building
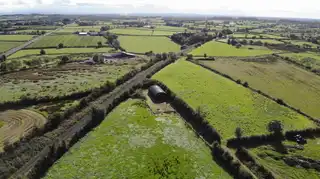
pixel 83 33
pixel 119 55
pixel 94 33
pixel 157 94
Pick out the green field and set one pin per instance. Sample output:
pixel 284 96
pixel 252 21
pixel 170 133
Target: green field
pixel 133 143
pixel 308 59
pixel 213 48
pixel 270 41
pixel 226 104
pixel 4 46
pixel 275 78
pixel 62 80
pixel 22 53
pixel 245 35
pixel 272 36
pixel 68 41
pixel 130 31
pixel 15 37
pixel 72 29
pixel 271 159
pixel 301 43
pixel 144 44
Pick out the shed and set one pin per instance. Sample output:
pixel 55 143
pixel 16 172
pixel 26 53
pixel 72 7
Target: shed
pixel 119 55
pixel 83 33
pixel 157 94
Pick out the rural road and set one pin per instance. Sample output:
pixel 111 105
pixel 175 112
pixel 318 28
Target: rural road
pixel 104 100
pixel 14 50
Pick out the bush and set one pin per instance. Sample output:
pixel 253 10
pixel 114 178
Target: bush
pixel 64 60
pixel 189 57
pixel 42 52
pixel 245 84
pixel 60 45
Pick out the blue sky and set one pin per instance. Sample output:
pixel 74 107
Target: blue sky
pixel 270 8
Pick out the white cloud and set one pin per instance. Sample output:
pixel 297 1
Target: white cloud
pixel 292 8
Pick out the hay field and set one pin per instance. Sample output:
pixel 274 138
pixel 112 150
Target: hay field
pixel 298 87
pixel 213 48
pixel 226 104
pixel 133 143
pixel 141 31
pixel 140 44
pixel 18 123
pixel 68 41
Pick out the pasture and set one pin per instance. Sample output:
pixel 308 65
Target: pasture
pixel 19 38
pixel 68 41
pixel 133 143
pixel 214 48
pixel 225 104
pixel 141 31
pixel 62 80
pixel 62 51
pixel 141 44
pixel 72 29
pixel 18 123
pixel 273 160
pixel 302 43
pixel 275 78
pixel 308 59
pixel 5 46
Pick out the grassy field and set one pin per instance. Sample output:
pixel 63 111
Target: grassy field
pixel 226 104
pixel 222 49
pixel 79 29
pixel 68 41
pixel 245 35
pixel 272 36
pixel 5 46
pixel 271 159
pixel 301 43
pixel 144 44
pixel 15 37
pixel 270 41
pixel 62 80
pixel 22 53
pixel 275 78
pixel 131 31
pixel 133 143
pixel 308 59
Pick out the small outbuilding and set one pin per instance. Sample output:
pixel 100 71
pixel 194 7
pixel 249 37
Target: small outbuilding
pixel 157 94
pixel 83 33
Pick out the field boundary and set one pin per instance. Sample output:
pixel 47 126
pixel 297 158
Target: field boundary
pixel 279 101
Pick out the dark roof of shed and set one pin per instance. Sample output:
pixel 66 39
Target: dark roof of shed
pixel 155 89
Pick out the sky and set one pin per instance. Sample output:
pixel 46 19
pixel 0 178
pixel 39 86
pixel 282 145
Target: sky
pixel 265 8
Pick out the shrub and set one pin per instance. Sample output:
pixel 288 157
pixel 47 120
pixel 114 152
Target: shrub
pixel 60 45
pixel 42 52
pixel 245 84
pixel 64 60
pixel 189 57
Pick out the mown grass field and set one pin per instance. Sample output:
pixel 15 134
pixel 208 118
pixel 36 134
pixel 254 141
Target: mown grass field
pixel 298 87
pixel 213 48
pixel 15 37
pixel 62 80
pixel 68 41
pixel 145 44
pixel 269 41
pixel 226 104
pixel 22 53
pixel 5 46
pixel 133 143
pixel 271 159
pixel 131 31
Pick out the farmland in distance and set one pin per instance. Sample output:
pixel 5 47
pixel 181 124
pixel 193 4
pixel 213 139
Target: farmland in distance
pixel 226 104
pixel 68 41
pixel 140 44
pixel 213 48
pixel 132 142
